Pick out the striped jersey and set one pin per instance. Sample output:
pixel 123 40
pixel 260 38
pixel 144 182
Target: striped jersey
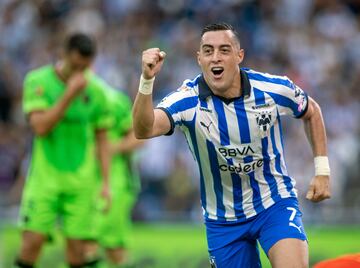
pixel 237 142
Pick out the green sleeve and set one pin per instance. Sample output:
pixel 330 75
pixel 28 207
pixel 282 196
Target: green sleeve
pixel 34 95
pixel 102 116
pixel 124 107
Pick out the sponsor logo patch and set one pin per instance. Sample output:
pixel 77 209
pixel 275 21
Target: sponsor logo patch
pixel 206 126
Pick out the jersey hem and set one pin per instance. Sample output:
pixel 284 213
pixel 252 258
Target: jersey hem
pixel 224 221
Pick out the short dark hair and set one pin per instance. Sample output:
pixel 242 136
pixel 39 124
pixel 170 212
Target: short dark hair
pixel 82 43
pixel 220 26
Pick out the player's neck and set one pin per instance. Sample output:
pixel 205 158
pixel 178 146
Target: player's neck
pixel 234 91
pixel 62 71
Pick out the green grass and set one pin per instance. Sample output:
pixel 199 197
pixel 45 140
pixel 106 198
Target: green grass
pixel 175 246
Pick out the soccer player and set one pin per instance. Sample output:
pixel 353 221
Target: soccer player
pixel 231 119
pixel 112 229
pixel 64 104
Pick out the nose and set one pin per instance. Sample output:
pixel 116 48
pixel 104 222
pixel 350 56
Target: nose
pixel 216 57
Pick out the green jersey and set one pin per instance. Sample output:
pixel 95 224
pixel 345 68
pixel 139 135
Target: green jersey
pixel 67 152
pixel 121 171
pixel 112 230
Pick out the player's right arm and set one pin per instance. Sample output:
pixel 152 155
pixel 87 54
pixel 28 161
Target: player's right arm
pixel 43 121
pixel 147 121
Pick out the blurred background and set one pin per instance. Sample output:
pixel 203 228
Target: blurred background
pixel 316 43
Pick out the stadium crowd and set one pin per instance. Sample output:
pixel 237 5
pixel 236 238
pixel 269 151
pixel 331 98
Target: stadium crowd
pixel 315 43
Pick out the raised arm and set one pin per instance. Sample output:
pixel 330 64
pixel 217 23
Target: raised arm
pixel 42 122
pixel 319 188
pixel 148 122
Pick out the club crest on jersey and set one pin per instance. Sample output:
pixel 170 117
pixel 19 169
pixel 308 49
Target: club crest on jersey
pixel 264 120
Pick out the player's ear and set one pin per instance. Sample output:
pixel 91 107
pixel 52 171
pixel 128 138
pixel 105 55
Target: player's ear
pixel 241 54
pixel 198 57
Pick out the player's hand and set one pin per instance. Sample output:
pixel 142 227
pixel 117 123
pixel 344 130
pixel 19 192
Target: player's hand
pixel 152 60
pixel 76 84
pixel 106 196
pixel 319 189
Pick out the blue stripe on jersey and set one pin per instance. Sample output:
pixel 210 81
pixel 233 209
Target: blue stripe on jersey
pixel 237 192
pixel 274 80
pixel 183 105
pixel 287 179
pixel 257 201
pixel 191 128
pixel 222 123
pixel 244 130
pixel 203 103
pixel 214 166
pixel 269 177
pixel 242 119
pixel 284 101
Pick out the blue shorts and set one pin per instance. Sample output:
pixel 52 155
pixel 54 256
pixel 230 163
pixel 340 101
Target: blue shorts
pixel 234 245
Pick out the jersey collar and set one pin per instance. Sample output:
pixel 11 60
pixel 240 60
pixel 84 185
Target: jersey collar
pixel 205 91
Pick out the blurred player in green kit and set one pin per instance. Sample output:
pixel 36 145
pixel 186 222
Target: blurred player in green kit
pixel 64 104
pixel 112 229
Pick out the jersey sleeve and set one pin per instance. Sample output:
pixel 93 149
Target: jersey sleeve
pixel 291 99
pixel 102 115
pixel 34 97
pixel 179 107
pixel 123 109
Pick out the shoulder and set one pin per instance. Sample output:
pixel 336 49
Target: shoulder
pixel 187 90
pixel 99 87
pixel 117 96
pixel 96 81
pixel 269 79
pixel 40 73
pixel 191 84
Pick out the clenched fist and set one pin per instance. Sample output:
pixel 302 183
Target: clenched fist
pixel 319 189
pixel 152 60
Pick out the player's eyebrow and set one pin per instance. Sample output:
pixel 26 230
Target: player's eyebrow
pixel 211 46
pixel 206 46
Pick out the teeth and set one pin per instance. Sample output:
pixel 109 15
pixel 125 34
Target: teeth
pixel 217 69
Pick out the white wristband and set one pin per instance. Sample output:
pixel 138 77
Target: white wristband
pixel 146 85
pixel 322 167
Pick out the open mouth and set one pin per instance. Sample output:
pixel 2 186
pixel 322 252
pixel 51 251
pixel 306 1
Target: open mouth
pixel 217 71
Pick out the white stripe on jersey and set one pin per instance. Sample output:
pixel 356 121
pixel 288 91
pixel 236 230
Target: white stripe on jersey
pixel 228 194
pixel 282 189
pixel 211 205
pixel 248 205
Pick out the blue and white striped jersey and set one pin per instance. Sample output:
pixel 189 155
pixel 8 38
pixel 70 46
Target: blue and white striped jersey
pixel 238 143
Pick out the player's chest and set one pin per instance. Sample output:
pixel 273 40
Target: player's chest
pixel 238 122
pixel 80 108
